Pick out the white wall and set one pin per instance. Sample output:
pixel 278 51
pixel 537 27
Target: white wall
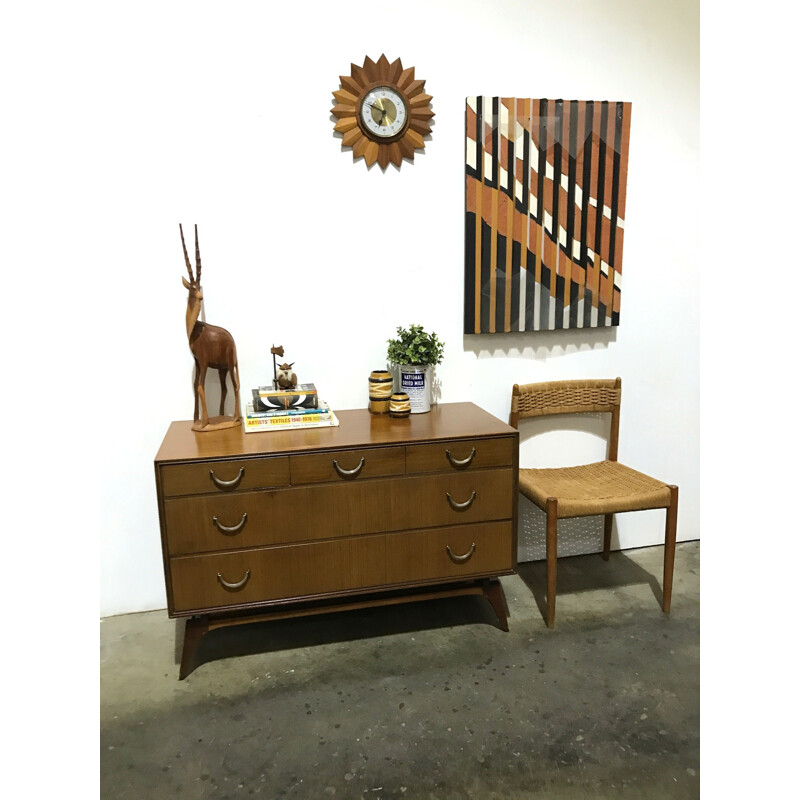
pixel 219 114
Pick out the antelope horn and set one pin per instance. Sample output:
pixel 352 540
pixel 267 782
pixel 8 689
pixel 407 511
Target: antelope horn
pixel 185 254
pixel 197 254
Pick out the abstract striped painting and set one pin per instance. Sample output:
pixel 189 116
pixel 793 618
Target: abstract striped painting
pixel 545 213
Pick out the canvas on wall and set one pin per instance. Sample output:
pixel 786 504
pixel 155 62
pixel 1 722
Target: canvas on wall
pixel 545 213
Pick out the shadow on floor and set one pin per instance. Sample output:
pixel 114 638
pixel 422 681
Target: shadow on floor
pixel 586 573
pixel 336 627
pixel 576 574
pixel 605 706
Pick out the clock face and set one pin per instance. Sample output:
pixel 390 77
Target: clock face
pixel 383 112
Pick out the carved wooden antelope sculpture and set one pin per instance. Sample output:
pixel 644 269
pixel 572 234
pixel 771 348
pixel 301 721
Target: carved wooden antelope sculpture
pixel 211 346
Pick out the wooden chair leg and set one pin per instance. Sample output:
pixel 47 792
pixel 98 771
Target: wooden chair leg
pixel 607 523
pixel 669 548
pixel 552 556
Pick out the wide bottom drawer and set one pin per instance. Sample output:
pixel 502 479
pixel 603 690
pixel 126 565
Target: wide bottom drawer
pixel 246 577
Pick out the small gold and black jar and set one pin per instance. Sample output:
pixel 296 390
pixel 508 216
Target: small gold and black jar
pixel 399 405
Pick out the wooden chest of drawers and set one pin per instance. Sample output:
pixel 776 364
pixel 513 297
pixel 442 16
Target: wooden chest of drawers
pixel 376 510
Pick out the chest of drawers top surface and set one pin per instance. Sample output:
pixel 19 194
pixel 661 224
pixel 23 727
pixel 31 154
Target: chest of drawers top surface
pixel 357 428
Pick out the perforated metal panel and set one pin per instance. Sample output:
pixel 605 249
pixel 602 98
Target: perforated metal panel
pixel 576 537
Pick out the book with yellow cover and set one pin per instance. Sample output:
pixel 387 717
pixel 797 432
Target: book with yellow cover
pixel 255 423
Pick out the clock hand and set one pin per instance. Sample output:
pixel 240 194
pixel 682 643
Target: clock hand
pixel 382 110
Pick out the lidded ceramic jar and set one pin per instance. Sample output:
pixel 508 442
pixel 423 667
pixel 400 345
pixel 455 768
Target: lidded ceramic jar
pixel 380 390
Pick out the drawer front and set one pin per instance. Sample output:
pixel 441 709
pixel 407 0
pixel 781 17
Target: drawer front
pixel 352 508
pixel 208 523
pixel 284 516
pixel 464 551
pixel 375 462
pixel 342 565
pixel 220 522
pixel 456 498
pixel 465 454
pixel 224 476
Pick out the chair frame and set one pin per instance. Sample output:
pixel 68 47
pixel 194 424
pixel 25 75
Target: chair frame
pixel 581 397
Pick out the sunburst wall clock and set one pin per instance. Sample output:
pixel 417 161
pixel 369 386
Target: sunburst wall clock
pixel 382 111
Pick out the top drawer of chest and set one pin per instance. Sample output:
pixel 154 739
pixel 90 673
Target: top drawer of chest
pixel 460 455
pixel 224 476
pixel 246 474
pixel 370 462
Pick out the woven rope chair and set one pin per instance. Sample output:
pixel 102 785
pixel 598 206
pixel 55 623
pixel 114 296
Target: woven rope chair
pixel 606 487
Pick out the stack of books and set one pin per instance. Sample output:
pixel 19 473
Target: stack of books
pixel 278 410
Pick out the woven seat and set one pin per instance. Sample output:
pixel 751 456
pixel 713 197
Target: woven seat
pixel 606 487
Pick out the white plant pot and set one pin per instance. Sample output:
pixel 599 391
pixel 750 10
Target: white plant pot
pixel 416 383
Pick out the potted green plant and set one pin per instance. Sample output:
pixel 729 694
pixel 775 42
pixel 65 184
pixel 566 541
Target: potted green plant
pixel 413 353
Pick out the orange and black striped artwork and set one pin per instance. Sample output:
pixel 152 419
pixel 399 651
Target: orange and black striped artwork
pixel 545 213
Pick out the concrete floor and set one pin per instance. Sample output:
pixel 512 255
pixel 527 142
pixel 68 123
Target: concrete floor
pixel 423 701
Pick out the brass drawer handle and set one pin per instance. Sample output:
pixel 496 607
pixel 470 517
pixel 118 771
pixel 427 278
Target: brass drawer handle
pixel 234 586
pixel 461 462
pixel 230 531
pixel 349 473
pixel 226 486
pixel 460 559
pixel 461 506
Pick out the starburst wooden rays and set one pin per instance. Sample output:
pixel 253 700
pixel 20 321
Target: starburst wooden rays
pixel 350 96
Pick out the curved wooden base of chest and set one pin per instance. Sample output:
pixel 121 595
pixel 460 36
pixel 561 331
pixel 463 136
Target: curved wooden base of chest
pixel 197 627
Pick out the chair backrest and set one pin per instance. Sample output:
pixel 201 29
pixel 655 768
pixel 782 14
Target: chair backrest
pixel 569 397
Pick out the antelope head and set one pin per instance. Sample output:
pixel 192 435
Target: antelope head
pixel 193 284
